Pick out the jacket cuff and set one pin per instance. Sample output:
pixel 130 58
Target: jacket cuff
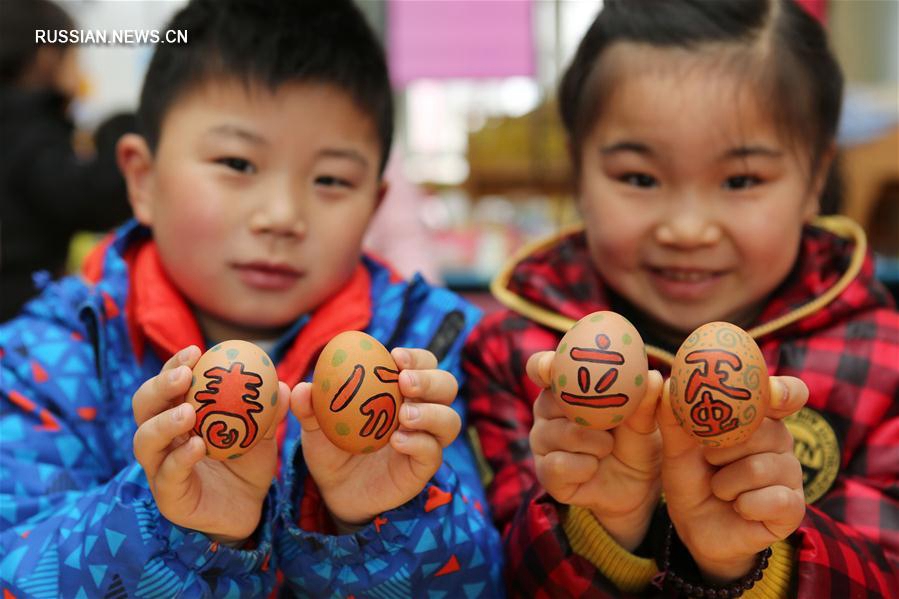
pixel 776 580
pixel 196 550
pixel 590 540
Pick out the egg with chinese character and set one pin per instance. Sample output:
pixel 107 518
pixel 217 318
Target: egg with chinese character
pixel 234 392
pixel 719 386
pixel 355 392
pixel 599 372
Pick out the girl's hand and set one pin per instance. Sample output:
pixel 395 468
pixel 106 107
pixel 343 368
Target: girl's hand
pixel 222 499
pixel 729 504
pixel 613 473
pixel 356 488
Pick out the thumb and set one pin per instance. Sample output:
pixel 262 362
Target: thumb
pixel 301 406
pixel 643 420
pixel 539 366
pixel 675 439
pixel 788 395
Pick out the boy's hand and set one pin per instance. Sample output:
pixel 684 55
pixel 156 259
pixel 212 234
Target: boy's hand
pixel 614 473
pixel 729 504
pixel 356 488
pixel 222 499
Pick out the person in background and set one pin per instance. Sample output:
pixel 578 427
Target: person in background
pixel 701 136
pixel 47 191
pixel 257 169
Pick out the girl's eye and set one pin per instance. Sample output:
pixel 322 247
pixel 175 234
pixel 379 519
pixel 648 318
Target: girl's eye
pixel 237 164
pixel 329 181
pixel 741 182
pixel 639 180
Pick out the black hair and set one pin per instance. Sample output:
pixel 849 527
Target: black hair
pixel 793 60
pixel 18 23
pixel 270 42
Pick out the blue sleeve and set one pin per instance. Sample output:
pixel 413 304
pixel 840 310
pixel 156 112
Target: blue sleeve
pixel 439 544
pixel 77 518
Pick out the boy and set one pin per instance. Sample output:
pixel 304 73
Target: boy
pixel 264 140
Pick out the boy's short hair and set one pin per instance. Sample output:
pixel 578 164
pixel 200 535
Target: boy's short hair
pixel 270 42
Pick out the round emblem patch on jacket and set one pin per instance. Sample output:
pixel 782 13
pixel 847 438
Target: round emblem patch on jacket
pixel 815 446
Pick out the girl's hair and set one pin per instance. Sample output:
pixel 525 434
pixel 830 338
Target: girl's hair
pixel 786 48
pixel 20 19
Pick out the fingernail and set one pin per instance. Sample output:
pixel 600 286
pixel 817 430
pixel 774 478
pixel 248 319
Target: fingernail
pixel 180 413
pixel 400 436
pixel 175 374
pixel 411 411
pixel 184 354
pixel 784 393
pixel 410 379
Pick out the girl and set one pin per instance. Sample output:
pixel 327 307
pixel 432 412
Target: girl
pixel 701 136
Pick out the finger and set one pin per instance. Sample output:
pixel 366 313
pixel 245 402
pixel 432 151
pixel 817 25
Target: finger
pixel 756 472
pixel 539 368
pixel 301 406
pixel 561 473
pixel 546 406
pixel 560 434
pixel 424 452
pixel 675 440
pixel 442 422
pixel 779 508
pixel 153 437
pixel 433 386
pixel 684 469
pixel 788 395
pixel 160 393
pixel 772 436
pixel 176 470
pixel 281 410
pixel 643 420
pixel 413 358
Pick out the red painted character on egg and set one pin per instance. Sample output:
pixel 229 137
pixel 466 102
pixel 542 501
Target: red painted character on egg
pixel 229 392
pixel 713 416
pixel 380 408
pixel 598 355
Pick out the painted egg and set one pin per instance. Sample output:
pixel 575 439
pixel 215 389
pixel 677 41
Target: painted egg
pixel 719 385
pixel 355 392
pixel 599 371
pixel 234 392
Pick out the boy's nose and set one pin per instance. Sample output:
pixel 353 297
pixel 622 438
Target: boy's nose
pixel 279 215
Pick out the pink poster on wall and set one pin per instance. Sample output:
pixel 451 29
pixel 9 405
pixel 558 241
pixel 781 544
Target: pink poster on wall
pixel 459 38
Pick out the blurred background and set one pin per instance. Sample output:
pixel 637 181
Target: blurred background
pixel 480 166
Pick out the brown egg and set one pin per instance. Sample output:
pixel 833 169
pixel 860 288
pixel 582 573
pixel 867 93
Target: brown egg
pixel 719 385
pixel 599 371
pixel 234 392
pixel 355 392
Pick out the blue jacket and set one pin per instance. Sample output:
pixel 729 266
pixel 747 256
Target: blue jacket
pixel 77 518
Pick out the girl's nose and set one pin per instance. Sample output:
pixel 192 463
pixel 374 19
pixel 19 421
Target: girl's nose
pixel 689 225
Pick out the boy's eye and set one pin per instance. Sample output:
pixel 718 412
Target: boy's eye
pixel 240 165
pixel 329 181
pixel 741 182
pixel 639 180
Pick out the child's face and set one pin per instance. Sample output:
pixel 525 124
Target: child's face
pixel 258 201
pixel 693 202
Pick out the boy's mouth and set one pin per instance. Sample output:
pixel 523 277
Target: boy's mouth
pixel 267 276
pixel 684 283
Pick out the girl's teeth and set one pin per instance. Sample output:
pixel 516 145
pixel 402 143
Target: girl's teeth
pixel 686 276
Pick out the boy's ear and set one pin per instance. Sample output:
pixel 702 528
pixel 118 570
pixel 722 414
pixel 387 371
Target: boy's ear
pixel 382 193
pixel 135 160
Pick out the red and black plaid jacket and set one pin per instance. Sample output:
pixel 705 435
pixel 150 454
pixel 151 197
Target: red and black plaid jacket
pixel 830 324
